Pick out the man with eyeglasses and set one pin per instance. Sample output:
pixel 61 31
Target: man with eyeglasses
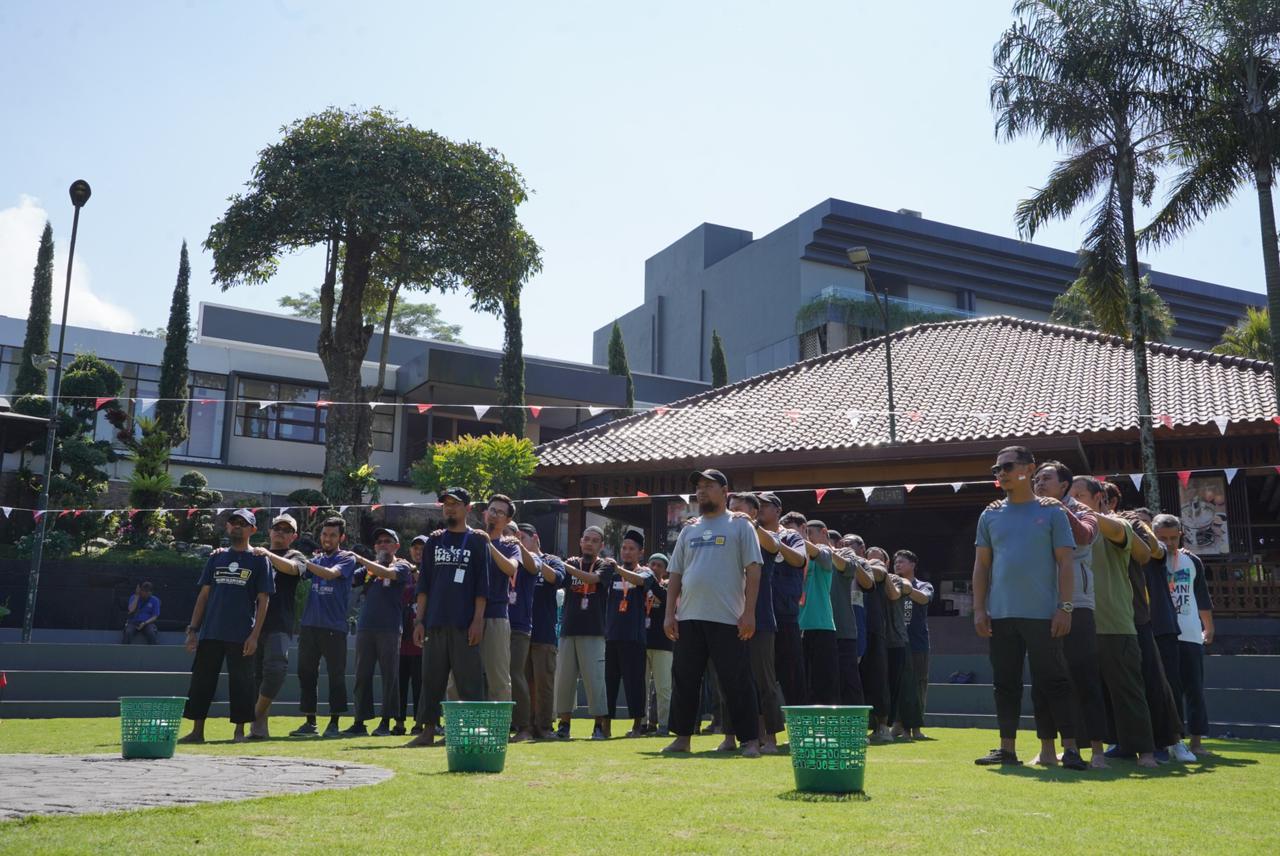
pixel 504 561
pixel 271 662
pixel 1023 579
pixel 226 625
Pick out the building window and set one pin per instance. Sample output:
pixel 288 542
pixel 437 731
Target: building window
pixel 294 416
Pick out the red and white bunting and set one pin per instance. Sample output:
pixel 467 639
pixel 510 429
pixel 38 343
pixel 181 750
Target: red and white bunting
pixel 322 403
pixel 604 503
pixel 263 405
pixel 661 411
pixel 642 493
pixel 98 402
pixel 146 403
pixel 1221 422
pixel 373 405
pixel 191 512
pixel 423 408
pixel 955 486
pixel 343 509
pixel 107 512
pixel 536 411
pixel 214 401
pixel 854 417
pixel 909 487
pixel 793 415
pixel 480 409
pixel 595 411
pixel 1230 473
pixel 7 509
pixel 63 513
pixel 866 493
pixel 313 508
pixel 1136 478
pixel 1165 419
pixel 36 515
pixel 820 493
pixel 1184 477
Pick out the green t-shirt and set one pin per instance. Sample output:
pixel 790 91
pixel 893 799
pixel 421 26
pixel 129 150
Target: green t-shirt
pixel 815 602
pixel 1113 595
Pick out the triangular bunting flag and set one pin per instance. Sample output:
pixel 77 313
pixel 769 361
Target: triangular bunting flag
pixel 661 411
pixel 641 493
pixel 79 511
pixel 98 402
pixel 1136 478
pixel 1165 419
pixel 1221 422
pixel 63 513
pixel 36 515
pixel 1276 419
pixel 914 415
pixel 793 415
pixel 107 512
pixel 1040 414
pixel 853 416
pixel 313 508
pixel 563 501
pixel 191 512
pixel 595 411
pixel 146 403
pixel 7 511
pixel 1184 477
pixel 263 405
pixel 909 487
pixel 322 403
pixel 604 502
pixel 211 401
pixel 423 408
pixel 866 492
pixel 955 486
pixel 535 411
pixel 480 409
pixel 820 493
pixel 375 507
pixel 343 509
pixel 688 500
pixel 374 404
pixel 1231 473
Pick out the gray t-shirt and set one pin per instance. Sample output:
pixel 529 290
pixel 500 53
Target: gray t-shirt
pixel 842 587
pixel 1024 572
pixel 710 558
pixel 1082 593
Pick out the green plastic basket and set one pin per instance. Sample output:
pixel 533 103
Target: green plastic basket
pixel 149 725
pixel 475 735
pixel 828 747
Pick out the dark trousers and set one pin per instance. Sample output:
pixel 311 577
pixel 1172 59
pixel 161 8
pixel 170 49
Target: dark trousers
pixel 1014 640
pixel 920 664
pixel 822 666
pixel 146 631
pixel 850 678
pixel 410 683
pixel 1080 650
pixel 1166 719
pixel 381 649
pixel 205 669
pixel 874 669
pixel 904 692
pixel 624 664
pixel 788 664
pixel 271 663
pixel 446 653
pixel 700 642
pixel 764 679
pixel 315 643
pixel 1120 660
pixel 541 672
pixel 1191 663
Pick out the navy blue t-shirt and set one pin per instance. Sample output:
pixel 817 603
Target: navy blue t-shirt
pixel 877 607
pixel 235 580
pixel 455 571
pixel 655 615
pixel 384 599
pixel 624 606
pixel 520 596
pixel 917 615
pixel 765 621
pixel 1164 618
pixel 499 583
pixel 328 601
pixel 787 583
pixel 584 603
pixel 545 606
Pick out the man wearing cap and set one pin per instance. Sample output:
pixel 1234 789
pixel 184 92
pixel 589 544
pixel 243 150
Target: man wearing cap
pixel 626 585
pixel 657 645
pixel 452 595
pixel 410 652
pixel 378 632
pixel 324 628
pixel 539 666
pixel 715 579
pixel 226 624
pixel 785 551
pixel 582 636
pixel 271 662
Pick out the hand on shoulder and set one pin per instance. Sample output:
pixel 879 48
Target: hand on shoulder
pixel 999 503
pixel 1048 502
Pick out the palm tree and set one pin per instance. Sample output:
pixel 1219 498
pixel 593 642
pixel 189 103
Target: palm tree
pixel 1075 308
pixel 1083 74
pixel 1250 337
pixel 1227 128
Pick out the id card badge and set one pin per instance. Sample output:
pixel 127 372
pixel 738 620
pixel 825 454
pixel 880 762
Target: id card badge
pixel 460 575
pixel 583 604
pixel 511 597
pixel 648 622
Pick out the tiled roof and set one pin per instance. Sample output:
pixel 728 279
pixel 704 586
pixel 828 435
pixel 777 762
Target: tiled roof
pixel 984 378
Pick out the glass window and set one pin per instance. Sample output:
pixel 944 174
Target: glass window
pixel 295 417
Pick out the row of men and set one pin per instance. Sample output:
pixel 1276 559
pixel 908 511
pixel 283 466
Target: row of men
pixel 1109 609
pixel 496 618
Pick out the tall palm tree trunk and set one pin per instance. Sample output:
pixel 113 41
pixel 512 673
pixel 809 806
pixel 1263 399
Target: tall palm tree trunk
pixel 1270 261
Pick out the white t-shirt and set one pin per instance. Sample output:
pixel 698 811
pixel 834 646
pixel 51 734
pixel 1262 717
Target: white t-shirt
pixel 1182 585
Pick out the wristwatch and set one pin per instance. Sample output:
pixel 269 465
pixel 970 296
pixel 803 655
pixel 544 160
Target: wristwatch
pixel 1066 606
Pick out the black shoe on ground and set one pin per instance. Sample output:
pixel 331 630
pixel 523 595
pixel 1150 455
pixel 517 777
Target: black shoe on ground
pixel 1072 761
pixel 562 731
pixel 333 731
pixel 306 729
pixel 355 729
pixel 417 728
pixel 597 733
pixel 383 730
pixel 398 730
pixel 998 757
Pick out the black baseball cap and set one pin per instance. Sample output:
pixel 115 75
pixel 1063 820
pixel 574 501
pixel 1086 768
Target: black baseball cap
pixel 771 498
pixel 458 493
pixel 384 531
pixel 709 475
pixel 528 528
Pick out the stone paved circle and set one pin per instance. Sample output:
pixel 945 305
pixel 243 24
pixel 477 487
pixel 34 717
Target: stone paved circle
pixel 89 784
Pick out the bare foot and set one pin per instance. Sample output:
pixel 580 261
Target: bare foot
pixel 917 734
pixel 426 738
pixel 521 736
pixel 192 738
pixel 769 747
pixel 240 738
pixel 680 744
pixel 1148 760
pixel 728 744
pixel 1097 762
pixel 897 731
pixel 1041 760
pixel 751 749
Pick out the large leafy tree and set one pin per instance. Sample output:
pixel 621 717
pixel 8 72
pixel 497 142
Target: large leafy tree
pixel 32 380
pixel 171 409
pixel 1249 337
pixel 384 199
pixel 407 318
pixel 1105 311
pixel 1226 120
pixel 1087 75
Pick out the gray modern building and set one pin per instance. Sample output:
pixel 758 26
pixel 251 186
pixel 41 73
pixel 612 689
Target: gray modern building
pixel 792 293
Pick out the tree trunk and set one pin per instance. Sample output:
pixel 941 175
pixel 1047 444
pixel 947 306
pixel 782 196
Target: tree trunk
pixel 1270 261
pixel 511 371
pixel 1137 332
pixel 342 349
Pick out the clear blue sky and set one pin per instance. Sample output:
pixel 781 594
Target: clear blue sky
pixel 632 124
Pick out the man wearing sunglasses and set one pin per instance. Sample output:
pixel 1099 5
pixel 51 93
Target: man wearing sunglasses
pixel 271 663
pixel 1023 578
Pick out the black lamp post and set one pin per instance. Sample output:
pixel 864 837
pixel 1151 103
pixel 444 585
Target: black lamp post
pixel 860 258
pixel 80 193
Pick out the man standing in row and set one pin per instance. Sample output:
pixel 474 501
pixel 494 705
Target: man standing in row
pixel 785 551
pixel 504 559
pixel 626 584
pixel 324 628
pixel 657 646
pixel 378 632
pixel 453 588
pixel 410 651
pixel 225 625
pixel 538 666
pixel 271 662
pixel 582 636
pixel 715 578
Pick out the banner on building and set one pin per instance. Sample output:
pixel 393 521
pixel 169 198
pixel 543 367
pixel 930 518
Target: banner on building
pixel 1203 500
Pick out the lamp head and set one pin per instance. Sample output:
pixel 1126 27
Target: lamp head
pixel 859 257
pixel 80 192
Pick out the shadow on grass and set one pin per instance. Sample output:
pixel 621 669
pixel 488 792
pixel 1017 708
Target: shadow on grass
pixel 706 754
pixel 1120 770
pixel 806 796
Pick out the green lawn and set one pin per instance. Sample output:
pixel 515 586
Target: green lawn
pixel 622 797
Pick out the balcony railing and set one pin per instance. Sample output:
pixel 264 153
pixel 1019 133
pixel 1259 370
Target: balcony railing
pixel 1244 590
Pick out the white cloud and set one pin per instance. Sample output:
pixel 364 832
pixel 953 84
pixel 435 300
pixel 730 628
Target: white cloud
pixel 20 228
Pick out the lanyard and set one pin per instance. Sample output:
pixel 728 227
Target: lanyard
pixel 625 603
pixel 804 580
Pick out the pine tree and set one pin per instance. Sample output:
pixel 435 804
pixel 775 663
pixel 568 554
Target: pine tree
pixel 32 380
pixel 511 369
pixel 719 370
pixel 618 363
pixel 171 410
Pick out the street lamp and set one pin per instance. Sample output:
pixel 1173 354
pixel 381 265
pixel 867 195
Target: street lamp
pixel 860 258
pixel 80 193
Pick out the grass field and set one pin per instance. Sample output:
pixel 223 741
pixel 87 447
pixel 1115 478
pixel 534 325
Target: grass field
pixel 622 797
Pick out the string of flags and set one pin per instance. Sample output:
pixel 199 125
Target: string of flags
pixel 794 414
pixel 1184 478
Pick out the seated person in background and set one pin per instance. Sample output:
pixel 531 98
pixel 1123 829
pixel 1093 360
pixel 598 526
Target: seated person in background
pixel 144 609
